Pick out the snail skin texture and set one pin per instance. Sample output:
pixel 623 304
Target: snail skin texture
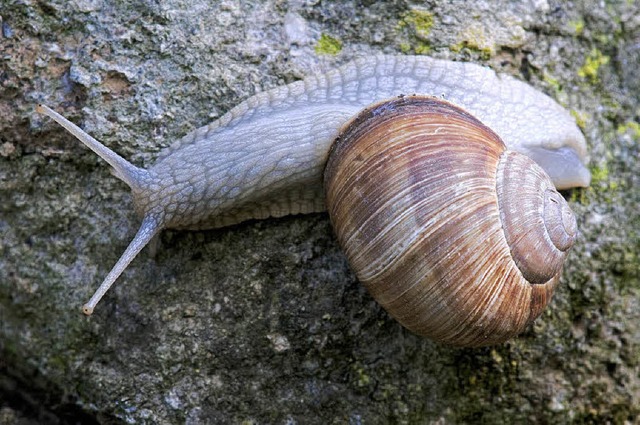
pixel 477 248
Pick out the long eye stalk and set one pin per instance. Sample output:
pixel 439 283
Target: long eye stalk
pixel 124 170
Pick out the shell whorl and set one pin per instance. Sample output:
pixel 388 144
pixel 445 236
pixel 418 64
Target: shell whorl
pixel 538 223
pixel 436 225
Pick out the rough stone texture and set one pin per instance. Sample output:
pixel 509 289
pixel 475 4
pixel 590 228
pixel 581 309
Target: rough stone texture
pixel 263 322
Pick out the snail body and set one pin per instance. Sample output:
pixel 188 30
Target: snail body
pixel 267 156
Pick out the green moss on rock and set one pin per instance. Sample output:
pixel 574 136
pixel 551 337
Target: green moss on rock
pixel 592 64
pixel 328 45
pixel 415 27
pixel 630 127
pixel 475 39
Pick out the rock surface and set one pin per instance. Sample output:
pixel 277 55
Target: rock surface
pixel 263 322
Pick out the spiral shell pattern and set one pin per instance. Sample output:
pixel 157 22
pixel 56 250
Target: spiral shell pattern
pixel 464 241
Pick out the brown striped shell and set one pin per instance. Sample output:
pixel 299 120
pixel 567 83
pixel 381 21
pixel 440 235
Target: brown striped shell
pixel 459 239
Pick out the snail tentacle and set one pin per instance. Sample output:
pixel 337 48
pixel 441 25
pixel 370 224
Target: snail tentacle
pixel 122 169
pixel 150 227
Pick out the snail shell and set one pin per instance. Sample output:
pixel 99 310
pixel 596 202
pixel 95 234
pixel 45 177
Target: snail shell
pixel 465 242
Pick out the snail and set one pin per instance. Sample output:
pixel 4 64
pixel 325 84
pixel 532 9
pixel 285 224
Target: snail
pixel 459 238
